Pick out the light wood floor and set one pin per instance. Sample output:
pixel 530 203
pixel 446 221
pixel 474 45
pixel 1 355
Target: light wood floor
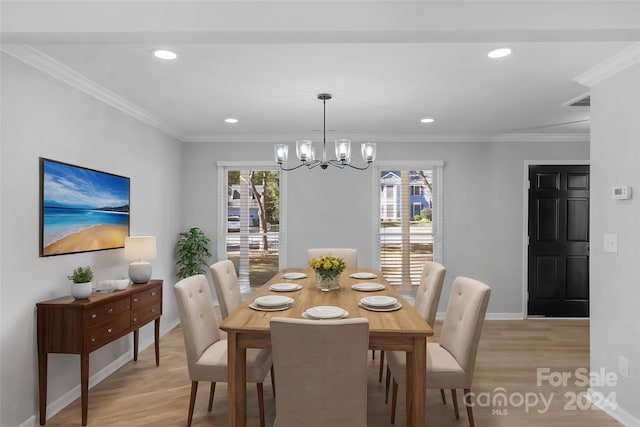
pixel 139 394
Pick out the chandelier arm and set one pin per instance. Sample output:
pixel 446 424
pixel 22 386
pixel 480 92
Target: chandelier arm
pixel 357 167
pixel 336 163
pixel 313 164
pixel 290 169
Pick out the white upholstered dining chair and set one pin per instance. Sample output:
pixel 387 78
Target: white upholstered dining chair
pixel 349 255
pixel 206 351
pixel 225 281
pixel 426 304
pixel 451 362
pixel 322 372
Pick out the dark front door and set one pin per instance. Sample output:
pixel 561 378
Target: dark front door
pixel 558 241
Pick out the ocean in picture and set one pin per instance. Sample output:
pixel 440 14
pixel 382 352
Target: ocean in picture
pixel 63 222
pixel 82 209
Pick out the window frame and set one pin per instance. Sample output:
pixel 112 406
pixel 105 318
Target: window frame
pixel 437 199
pixel 223 168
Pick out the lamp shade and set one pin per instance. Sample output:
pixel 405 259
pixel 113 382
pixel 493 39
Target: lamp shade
pixel 140 247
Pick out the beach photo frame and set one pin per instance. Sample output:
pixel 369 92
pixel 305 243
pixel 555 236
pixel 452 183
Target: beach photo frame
pixel 81 209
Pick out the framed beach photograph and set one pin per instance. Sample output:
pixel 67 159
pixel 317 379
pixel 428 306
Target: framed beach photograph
pixel 81 209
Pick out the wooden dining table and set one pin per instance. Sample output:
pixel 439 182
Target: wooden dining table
pixel 403 330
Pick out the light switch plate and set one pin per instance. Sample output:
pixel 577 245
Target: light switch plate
pixel 611 243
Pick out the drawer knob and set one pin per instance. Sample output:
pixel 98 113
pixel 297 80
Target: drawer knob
pixel 135 300
pixel 93 316
pixel 153 310
pixel 93 339
pixel 135 319
pixel 109 330
pixel 110 311
pixel 153 294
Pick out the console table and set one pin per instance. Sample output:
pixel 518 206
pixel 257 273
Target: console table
pixel 67 325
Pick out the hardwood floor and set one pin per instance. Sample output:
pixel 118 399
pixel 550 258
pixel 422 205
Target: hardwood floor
pixel 510 352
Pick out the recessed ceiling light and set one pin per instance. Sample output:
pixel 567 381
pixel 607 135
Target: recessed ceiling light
pixel 500 53
pixel 427 120
pixel 164 54
pixel 231 120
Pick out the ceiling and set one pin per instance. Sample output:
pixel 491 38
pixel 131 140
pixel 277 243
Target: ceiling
pixel 387 63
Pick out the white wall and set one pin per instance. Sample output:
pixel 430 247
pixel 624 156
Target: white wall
pixel 42 116
pixel 483 205
pixel 615 288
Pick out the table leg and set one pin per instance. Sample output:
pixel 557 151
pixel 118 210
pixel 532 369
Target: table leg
pixel 42 385
pixel 84 385
pixel 416 383
pixel 157 341
pixel 237 368
pixel 136 335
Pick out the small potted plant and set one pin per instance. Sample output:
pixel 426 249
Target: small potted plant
pixel 81 282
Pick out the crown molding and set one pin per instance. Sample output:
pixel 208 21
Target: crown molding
pixel 45 63
pixel 406 138
pixel 611 66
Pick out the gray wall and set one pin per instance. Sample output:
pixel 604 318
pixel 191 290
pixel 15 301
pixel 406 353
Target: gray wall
pixel 42 116
pixel 483 205
pixel 615 288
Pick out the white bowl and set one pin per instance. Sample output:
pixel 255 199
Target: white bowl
pixel 379 301
pixel 117 284
pixel 120 284
pixel 273 300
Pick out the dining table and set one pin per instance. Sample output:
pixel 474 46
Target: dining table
pixel 402 329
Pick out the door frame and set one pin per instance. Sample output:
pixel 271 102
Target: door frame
pixel 525 221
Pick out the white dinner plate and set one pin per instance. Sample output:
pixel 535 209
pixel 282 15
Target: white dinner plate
pixel 394 307
pixel 368 286
pixel 273 300
pixel 364 275
pixel 261 308
pixel 294 275
pixel 285 287
pixel 379 301
pixel 344 315
pixel 326 312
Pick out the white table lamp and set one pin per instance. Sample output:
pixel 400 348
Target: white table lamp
pixel 140 249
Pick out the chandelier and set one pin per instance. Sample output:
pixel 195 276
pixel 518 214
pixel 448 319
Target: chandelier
pixel 307 153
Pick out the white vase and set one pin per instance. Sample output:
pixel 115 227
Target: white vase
pixel 81 290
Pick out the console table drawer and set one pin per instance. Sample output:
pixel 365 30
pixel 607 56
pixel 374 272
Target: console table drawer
pixel 107 312
pixel 110 331
pixel 146 298
pixel 142 316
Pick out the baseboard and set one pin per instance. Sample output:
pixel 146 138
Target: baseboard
pixel 59 404
pixel 616 413
pixel 30 422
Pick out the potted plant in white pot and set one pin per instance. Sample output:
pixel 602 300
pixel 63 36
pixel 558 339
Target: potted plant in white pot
pixel 81 282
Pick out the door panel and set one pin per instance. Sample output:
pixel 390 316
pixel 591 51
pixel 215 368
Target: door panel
pixel 558 251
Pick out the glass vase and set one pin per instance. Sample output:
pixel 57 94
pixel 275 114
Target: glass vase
pixel 326 284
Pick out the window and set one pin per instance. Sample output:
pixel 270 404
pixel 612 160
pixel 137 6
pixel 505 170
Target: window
pixel 249 230
pixel 409 231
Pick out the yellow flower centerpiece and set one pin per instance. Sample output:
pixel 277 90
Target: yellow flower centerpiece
pixel 328 269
